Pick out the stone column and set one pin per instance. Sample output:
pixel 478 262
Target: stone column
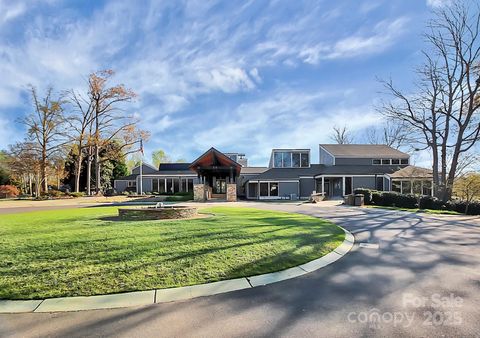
pixel 199 193
pixel 231 192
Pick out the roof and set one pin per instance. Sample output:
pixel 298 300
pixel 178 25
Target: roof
pixel 321 169
pixel 363 150
pixel 412 172
pixel 174 167
pixel 252 170
pixel 212 159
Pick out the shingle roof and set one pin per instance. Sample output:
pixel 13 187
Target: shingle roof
pixel 174 167
pixel 363 150
pixel 412 172
pixel 320 169
pixel 252 170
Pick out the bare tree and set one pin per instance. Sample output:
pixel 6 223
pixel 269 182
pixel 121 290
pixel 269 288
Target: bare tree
pixel 110 122
pixel 393 135
pixel 46 133
pixel 25 163
pixel 80 121
pixel 443 112
pixel 341 135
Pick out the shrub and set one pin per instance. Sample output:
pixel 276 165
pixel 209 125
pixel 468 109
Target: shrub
pixel 367 195
pixel 180 198
pixel 76 194
pixel 8 191
pixel 54 193
pixel 376 198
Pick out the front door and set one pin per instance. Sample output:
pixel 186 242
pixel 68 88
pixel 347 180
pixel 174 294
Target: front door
pixel 220 187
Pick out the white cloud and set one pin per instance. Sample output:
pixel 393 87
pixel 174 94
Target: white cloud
pixel 438 3
pixel 11 10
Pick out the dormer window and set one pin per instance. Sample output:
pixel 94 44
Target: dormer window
pixel 291 159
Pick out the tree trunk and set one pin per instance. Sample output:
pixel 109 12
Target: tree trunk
pixel 78 169
pixel 89 171
pixel 44 171
pixel 97 171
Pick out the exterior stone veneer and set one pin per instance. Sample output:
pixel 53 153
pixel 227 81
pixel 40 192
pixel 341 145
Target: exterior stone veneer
pixel 199 193
pixel 175 212
pixel 231 192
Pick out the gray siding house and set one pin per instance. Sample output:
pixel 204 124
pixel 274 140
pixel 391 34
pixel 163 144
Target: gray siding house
pixel 291 174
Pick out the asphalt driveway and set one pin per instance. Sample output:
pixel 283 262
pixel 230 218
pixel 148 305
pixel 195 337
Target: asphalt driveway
pixel 407 275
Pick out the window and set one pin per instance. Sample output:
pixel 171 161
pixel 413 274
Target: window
pixel 170 186
pixel 155 185
pixel 287 160
pixel 190 184
pixel 427 188
pixel 131 183
pixel 184 184
pixel 406 187
pixel 273 189
pixel 397 186
pixel 395 161
pixel 305 161
pixel 252 190
pixel 277 160
pixel 404 161
pixel 161 186
pixel 296 160
pixel 263 189
pixel 376 161
pixel 348 185
pixel 417 187
pixel 176 185
pixel 385 161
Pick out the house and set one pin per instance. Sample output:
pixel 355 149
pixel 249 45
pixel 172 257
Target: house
pixel 290 174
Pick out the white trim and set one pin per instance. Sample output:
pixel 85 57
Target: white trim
pixel 348 175
pixel 306 176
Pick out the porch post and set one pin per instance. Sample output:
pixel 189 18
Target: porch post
pixel 323 186
pixel 343 186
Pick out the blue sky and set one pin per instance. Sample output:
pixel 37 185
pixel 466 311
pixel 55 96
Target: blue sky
pixel 244 76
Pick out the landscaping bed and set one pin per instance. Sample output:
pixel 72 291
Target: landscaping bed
pixel 89 251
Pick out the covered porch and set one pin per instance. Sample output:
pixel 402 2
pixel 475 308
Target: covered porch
pixel 217 175
pixel 334 186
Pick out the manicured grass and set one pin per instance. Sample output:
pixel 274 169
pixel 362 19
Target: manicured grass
pixel 89 251
pixel 427 211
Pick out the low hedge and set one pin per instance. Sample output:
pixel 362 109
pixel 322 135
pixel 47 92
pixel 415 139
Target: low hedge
pixel 394 199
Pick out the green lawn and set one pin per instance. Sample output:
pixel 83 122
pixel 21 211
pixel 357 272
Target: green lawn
pixel 89 251
pixel 427 211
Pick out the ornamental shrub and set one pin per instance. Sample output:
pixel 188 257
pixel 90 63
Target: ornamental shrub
pixel 8 191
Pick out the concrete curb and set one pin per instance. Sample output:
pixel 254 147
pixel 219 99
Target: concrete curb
pixel 137 298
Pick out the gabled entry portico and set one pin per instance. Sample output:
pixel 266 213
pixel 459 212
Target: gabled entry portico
pixel 217 174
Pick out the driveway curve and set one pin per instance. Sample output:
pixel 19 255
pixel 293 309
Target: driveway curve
pixel 407 275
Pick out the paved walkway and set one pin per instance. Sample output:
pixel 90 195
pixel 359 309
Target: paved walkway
pixel 401 266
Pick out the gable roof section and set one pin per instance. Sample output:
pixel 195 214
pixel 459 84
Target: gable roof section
pixel 214 158
pixel 146 169
pixel 252 170
pixel 363 151
pixel 412 172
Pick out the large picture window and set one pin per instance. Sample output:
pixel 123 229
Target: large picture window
pixel 263 189
pixel 288 159
pixel 296 160
pixel 273 189
pixel 305 161
pixel 406 187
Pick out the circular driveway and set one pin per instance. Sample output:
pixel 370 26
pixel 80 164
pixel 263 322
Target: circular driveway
pixel 407 275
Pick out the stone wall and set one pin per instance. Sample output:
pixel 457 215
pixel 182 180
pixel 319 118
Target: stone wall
pixel 231 192
pixel 199 194
pixel 176 212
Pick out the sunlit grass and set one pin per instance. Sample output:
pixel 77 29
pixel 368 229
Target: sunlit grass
pixel 89 251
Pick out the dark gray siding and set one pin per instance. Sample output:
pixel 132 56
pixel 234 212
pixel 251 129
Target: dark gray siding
pixel 287 188
pixel 363 182
pixel 146 184
pixel 120 186
pixel 325 158
pixel 307 186
pixel 353 161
